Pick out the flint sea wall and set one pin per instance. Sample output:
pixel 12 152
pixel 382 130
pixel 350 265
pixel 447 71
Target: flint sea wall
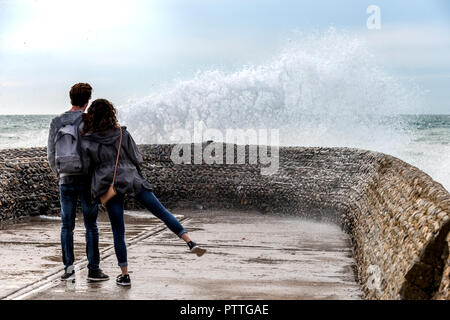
pixel 397 217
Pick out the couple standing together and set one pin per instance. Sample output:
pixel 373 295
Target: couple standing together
pixel 97 161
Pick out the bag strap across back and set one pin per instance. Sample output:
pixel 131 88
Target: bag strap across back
pixel 117 159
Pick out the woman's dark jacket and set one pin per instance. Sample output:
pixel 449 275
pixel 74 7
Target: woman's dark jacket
pixel 99 152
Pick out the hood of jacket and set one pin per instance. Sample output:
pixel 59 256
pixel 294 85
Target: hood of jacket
pixel 107 137
pixel 70 117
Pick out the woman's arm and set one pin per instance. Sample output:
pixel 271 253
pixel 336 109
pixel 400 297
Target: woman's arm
pixel 132 150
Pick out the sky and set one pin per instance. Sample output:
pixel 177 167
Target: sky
pixel 127 49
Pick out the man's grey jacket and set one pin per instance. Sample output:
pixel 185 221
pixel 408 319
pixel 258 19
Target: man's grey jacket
pixel 67 118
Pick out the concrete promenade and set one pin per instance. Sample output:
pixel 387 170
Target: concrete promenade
pixel 250 256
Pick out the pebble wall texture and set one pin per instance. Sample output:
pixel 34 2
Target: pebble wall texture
pixel 397 216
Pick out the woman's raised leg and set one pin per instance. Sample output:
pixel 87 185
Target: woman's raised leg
pixel 151 202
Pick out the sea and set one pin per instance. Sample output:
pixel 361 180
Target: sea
pixel 327 89
pixel 425 140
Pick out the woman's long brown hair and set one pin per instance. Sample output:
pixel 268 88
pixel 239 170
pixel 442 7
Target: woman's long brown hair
pixel 101 116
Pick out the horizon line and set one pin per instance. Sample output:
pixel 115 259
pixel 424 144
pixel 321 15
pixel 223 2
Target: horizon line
pixel 55 114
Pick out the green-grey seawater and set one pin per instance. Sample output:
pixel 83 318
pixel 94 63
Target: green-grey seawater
pixel 426 142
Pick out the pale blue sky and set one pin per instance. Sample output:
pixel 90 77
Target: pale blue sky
pixel 128 49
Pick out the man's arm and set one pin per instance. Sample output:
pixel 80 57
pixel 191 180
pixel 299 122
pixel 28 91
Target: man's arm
pixel 51 147
pixel 85 158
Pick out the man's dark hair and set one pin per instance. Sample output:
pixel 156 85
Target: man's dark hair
pixel 80 94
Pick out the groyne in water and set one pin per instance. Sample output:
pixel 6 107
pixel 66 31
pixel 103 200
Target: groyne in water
pixel 397 216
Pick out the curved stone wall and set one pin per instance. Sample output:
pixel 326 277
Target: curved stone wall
pixel 397 216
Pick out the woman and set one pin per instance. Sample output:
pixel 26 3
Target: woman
pixel 101 134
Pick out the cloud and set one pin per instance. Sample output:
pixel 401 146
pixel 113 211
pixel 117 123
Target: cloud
pixel 419 47
pixel 12 84
pixel 53 25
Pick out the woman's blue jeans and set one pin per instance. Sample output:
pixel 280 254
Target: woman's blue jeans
pixel 115 208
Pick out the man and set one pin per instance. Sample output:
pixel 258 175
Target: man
pixel 64 157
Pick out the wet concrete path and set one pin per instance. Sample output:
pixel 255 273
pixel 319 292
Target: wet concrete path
pixel 250 256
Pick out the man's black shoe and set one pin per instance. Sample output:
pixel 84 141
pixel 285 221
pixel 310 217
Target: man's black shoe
pixel 97 275
pixel 68 273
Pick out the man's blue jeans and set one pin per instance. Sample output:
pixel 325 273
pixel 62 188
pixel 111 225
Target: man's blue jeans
pixel 115 208
pixel 69 194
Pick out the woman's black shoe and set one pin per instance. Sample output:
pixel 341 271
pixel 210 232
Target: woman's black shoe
pixel 195 248
pixel 123 280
